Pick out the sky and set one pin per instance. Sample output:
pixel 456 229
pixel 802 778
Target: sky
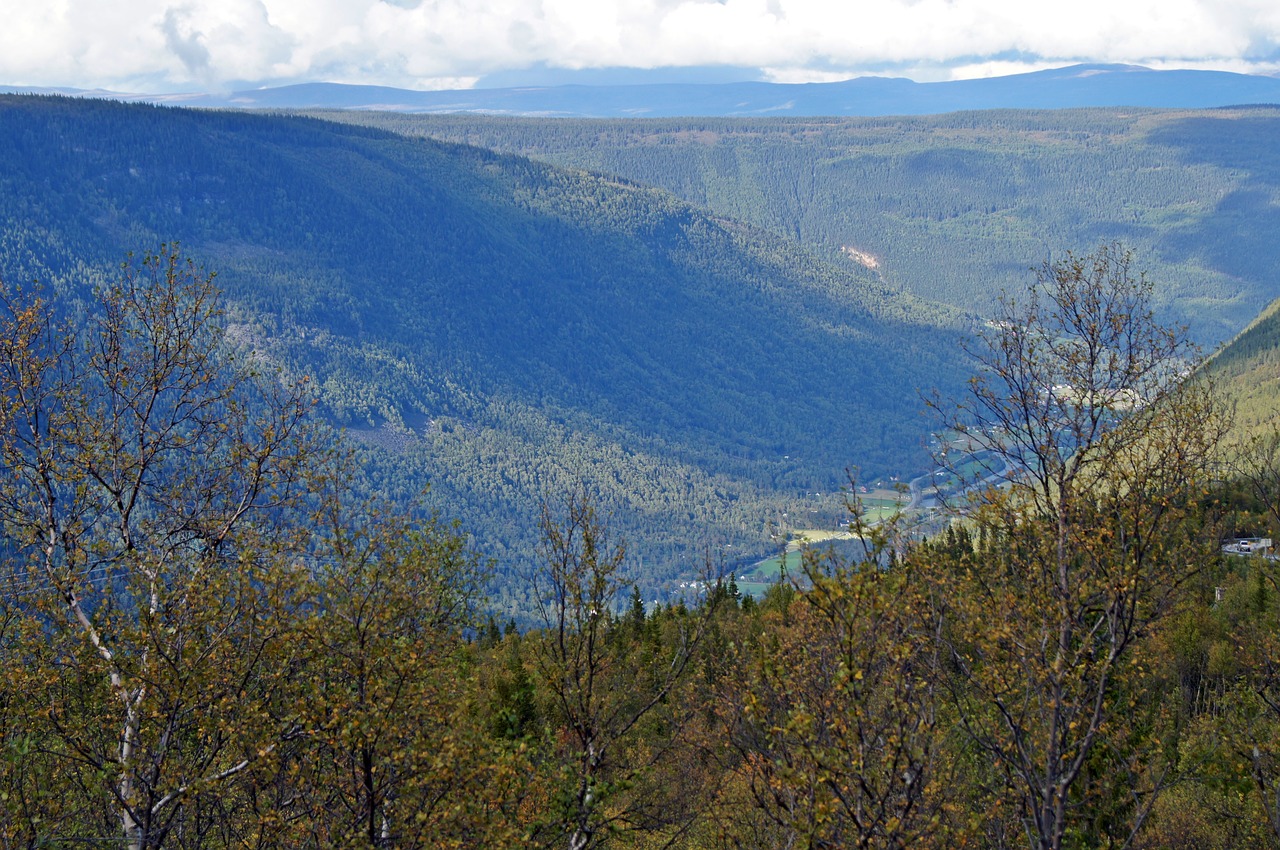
pixel 154 46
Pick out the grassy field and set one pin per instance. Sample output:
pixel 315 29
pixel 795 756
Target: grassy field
pixel 879 510
pixel 754 589
pixel 755 579
pixel 768 569
pixel 878 505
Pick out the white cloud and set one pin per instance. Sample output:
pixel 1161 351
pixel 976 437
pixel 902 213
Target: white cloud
pixel 170 44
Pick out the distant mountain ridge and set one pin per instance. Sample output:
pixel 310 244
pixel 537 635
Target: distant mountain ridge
pixel 1058 88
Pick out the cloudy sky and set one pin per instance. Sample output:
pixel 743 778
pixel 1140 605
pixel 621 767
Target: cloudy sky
pixel 183 45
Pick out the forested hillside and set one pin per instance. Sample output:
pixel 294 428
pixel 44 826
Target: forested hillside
pixel 957 207
pixel 498 328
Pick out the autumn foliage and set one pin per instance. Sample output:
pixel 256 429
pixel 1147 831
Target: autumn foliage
pixel 210 638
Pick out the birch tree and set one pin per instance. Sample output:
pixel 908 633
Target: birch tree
pixel 147 477
pixel 396 757
pixel 835 722
pixel 601 686
pixel 1104 443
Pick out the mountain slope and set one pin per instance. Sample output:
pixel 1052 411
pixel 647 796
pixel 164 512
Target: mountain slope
pixel 505 326
pixel 957 207
pixel 1247 372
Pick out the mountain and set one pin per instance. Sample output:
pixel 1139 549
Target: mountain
pixel 499 328
pixel 958 207
pixel 1074 86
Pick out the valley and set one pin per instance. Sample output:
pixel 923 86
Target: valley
pixel 702 321
pixel 595 486
pixel 504 329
